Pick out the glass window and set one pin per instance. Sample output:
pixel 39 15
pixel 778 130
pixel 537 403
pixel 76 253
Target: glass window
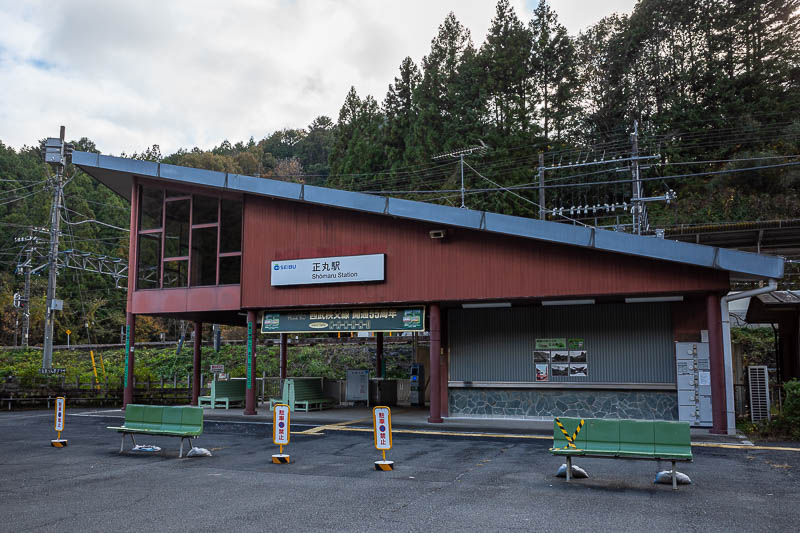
pixel 175 194
pixel 150 209
pixel 231 226
pixel 149 261
pixel 204 256
pixel 176 236
pixel 230 270
pixel 204 209
pixel 176 274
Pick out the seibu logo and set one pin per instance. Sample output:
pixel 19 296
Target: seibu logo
pixel 284 267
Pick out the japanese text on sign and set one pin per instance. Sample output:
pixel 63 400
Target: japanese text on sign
pixel 344 269
pixel 59 425
pixel 280 424
pixel 376 319
pixel 382 417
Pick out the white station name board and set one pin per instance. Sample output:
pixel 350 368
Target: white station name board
pixel 345 269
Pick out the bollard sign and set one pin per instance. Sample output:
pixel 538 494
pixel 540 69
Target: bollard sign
pixel 59 425
pixel 382 417
pixel 280 424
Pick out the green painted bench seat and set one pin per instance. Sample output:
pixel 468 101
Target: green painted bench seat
pixel 624 439
pixel 183 422
pixel 224 393
pixel 302 395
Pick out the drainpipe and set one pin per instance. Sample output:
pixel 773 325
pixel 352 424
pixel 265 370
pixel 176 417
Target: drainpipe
pixel 727 352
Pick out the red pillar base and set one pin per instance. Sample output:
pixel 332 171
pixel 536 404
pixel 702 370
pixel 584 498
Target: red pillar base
pixel 435 420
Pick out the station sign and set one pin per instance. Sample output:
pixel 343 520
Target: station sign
pixel 217 369
pixel 382 419
pixel 52 370
pixel 343 269
pixel 394 319
pixel 280 424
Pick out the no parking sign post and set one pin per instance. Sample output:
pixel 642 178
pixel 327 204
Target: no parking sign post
pixel 382 420
pixel 59 423
pixel 280 431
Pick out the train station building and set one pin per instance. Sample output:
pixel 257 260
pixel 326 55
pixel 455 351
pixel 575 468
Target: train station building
pixel 526 318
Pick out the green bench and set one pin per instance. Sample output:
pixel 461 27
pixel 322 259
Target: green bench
pixel 657 440
pixel 224 392
pixel 183 422
pixel 302 395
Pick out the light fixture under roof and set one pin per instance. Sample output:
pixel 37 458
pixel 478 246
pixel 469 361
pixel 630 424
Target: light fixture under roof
pixel 486 305
pixel 649 299
pixel 589 301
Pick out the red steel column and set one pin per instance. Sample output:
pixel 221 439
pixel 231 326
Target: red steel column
pixel 250 392
pixel 130 335
pixel 717 364
pixel 284 351
pixel 198 343
pixel 379 354
pixel 443 368
pixel 435 351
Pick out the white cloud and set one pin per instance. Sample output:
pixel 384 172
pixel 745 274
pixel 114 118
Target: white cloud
pixel 192 73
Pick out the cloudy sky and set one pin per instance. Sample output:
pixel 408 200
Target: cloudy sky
pixel 192 73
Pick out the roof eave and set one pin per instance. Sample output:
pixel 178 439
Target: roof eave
pixel 117 174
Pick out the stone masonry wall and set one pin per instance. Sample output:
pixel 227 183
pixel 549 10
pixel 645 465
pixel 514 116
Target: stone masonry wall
pixel 547 403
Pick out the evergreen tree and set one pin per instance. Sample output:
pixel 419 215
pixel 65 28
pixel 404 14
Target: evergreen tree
pixel 440 124
pixel 400 111
pixel 553 70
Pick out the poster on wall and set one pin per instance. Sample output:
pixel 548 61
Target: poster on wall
pixel 551 344
pixel 559 370
pixel 578 370
pixel 559 356
pixel 541 372
pixel 577 356
pixel 540 356
pixel 576 344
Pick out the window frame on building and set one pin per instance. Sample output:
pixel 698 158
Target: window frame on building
pixel 172 194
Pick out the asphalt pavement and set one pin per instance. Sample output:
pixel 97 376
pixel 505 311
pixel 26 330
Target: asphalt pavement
pixel 446 477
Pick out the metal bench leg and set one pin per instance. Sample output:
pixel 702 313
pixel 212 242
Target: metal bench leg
pixel 122 444
pixel 674 478
pixel 180 454
pixel 569 467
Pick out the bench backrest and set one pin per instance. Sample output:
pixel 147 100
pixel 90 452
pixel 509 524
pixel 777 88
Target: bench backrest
pixel 163 417
pixel 570 424
pixel 647 437
pixel 602 435
pixel 304 389
pixel 636 436
pixel 233 388
pixel 672 438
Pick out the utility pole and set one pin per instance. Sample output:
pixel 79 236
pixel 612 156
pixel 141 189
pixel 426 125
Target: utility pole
pixel 460 155
pixel 54 155
pixel 637 185
pixel 26 310
pixel 542 210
